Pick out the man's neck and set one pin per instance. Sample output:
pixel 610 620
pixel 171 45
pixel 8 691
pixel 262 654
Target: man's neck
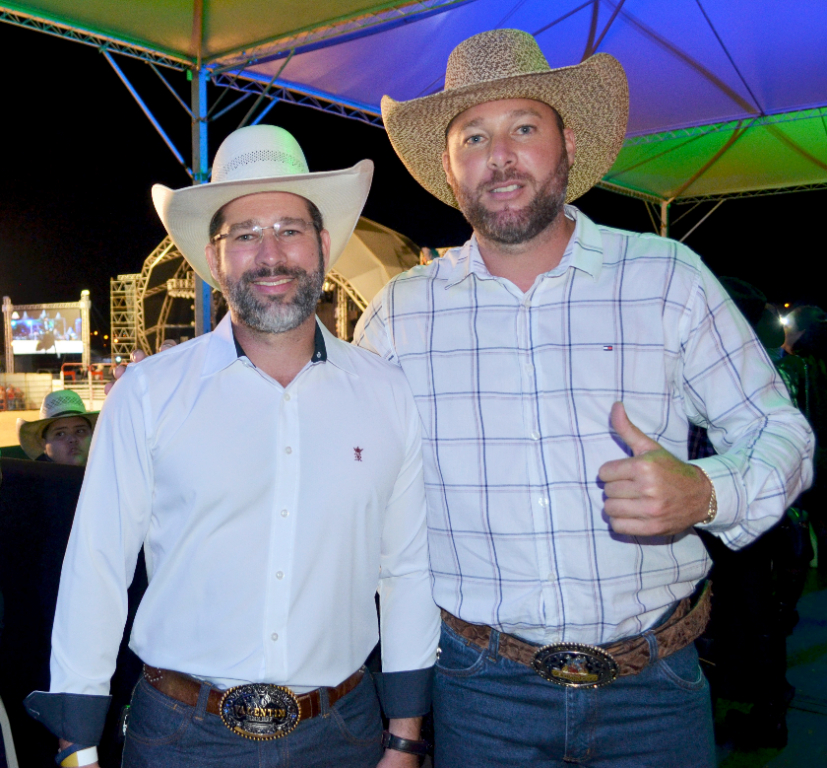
pixel 280 355
pixel 523 262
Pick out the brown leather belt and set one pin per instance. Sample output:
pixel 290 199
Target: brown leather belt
pixel 185 689
pixel 631 655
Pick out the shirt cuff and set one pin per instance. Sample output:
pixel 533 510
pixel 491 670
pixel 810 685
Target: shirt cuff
pixel 730 501
pixel 76 717
pixel 405 694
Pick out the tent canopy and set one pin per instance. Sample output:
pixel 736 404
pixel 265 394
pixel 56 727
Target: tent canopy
pixel 728 97
pixel 373 256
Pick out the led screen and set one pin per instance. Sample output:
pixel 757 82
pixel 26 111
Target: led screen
pixel 46 332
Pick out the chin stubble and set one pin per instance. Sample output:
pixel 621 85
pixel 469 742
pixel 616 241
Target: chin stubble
pixel 512 227
pixel 273 314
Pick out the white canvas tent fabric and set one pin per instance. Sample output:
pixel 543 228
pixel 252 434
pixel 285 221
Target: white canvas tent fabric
pixel 373 256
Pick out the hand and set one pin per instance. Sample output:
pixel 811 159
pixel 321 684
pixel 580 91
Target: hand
pixel 63 744
pixel 653 493
pixel 136 357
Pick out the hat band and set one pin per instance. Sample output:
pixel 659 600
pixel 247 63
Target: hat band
pixel 66 413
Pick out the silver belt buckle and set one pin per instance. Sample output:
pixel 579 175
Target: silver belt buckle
pixel 260 711
pixel 575 665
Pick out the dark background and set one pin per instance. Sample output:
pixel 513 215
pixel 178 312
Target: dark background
pixel 80 158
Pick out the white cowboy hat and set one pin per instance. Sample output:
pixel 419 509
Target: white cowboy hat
pixel 261 158
pixel 56 405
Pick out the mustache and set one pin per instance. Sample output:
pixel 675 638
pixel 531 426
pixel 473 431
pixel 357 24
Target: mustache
pixel 262 272
pixel 499 177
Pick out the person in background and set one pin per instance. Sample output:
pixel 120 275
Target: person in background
pixel 63 433
pixel 755 589
pixel 804 370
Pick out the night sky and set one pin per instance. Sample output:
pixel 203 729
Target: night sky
pixel 80 158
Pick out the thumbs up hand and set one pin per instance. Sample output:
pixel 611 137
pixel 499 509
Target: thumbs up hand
pixel 653 493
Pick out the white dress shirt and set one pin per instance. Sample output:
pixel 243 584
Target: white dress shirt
pixel 515 389
pixel 268 516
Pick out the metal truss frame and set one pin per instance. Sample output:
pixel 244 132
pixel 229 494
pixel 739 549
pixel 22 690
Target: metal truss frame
pixel 695 131
pixel 93 39
pixel 305 97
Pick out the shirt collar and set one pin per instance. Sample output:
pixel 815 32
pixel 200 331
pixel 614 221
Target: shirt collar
pixel 583 252
pixel 225 349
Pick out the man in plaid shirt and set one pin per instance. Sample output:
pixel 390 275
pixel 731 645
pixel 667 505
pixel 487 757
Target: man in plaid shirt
pixel 557 366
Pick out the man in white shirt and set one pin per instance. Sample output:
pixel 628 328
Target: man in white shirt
pixel 557 365
pixel 273 476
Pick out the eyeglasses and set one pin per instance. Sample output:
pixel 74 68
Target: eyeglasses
pixel 247 238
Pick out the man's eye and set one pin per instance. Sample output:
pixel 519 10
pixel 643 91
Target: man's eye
pixel 291 232
pixel 525 129
pixel 476 139
pixel 244 237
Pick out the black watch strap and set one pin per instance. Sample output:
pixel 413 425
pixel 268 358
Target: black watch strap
pixel 389 741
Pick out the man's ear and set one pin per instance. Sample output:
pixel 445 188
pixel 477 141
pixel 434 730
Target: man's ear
pixel 446 165
pixel 571 144
pixel 211 253
pixel 324 237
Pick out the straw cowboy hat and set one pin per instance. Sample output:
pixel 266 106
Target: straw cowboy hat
pixel 591 97
pixel 56 405
pixel 261 158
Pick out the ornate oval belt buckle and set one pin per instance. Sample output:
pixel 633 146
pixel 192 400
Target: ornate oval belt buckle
pixel 575 665
pixel 260 711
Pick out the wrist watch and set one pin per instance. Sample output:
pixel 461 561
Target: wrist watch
pixel 389 741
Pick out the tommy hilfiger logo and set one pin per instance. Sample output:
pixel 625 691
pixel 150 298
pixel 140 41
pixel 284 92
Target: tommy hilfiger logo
pixel 357 454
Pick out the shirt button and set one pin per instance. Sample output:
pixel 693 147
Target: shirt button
pixel 286 395
pixel 543 501
pixel 550 577
pixel 288 449
pixel 279 575
pixel 535 435
pixel 284 513
pixel 274 636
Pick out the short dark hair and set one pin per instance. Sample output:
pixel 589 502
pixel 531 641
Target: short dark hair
pixel 316 218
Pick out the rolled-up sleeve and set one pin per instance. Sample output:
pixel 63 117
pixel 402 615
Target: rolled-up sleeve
pixel 109 528
pixel 764 444
pixel 410 620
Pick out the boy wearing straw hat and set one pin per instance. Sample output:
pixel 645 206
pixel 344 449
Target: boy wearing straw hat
pixel 557 365
pixel 63 432
pixel 273 476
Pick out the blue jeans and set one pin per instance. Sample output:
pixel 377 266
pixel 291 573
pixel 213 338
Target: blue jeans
pixel 490 711
pixel 164 733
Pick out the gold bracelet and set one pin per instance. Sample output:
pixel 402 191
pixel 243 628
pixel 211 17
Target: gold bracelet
pixel 713 501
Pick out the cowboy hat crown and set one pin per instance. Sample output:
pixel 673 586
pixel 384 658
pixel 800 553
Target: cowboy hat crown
pixel 261 158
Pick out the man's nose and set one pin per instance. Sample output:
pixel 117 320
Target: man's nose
pixel 271 250
pixel 501 152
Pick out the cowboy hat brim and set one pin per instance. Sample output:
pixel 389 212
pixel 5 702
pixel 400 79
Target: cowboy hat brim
pixel 186 213
pixel 29 433
pixel 592 98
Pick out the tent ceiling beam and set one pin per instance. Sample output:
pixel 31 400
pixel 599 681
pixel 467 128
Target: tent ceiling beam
pixel 333 32
pixel 628 192
pixel 703 219
pixel 171 89
pixel 691 132
pixel 94 39
pixel 305 97
pixel 145 109
pixel 264 93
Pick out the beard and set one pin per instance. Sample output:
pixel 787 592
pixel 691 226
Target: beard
pixel 273 314
pixel 511 226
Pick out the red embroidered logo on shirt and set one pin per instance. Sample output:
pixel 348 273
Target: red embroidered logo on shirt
pixel 357 454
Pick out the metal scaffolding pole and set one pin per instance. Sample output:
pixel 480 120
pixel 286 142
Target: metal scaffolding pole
pixel 664 218
pixel 200 172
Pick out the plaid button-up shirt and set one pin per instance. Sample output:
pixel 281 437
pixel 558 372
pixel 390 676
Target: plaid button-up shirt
pixel 514 390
